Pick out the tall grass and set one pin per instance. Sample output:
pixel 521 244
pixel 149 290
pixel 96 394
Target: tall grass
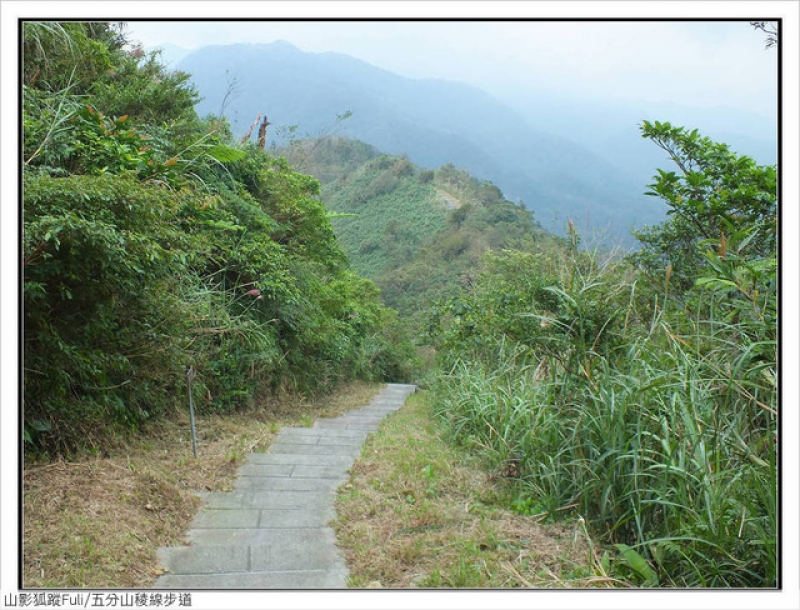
pixel 665 444
pixel 654 457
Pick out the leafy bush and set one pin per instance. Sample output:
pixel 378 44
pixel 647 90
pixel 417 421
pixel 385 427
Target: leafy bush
pixel 101 326
pixel 716 194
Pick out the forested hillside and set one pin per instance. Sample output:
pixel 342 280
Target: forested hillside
pixel 154 242
pixel 420 235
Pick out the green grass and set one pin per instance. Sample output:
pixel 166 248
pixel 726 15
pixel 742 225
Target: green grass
pixel 651 416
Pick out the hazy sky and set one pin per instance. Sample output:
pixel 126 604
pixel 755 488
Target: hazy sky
pixel 707 64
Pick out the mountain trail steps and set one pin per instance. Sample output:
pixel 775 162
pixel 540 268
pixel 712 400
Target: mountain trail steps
pixel 271 531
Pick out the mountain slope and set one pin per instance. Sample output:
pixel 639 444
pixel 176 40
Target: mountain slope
pixel 420 235
pixel 433 122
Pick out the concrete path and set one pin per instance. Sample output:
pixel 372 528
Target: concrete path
pixel 271 531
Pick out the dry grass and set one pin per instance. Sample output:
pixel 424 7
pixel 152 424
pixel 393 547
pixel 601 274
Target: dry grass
pixel 419 513
pixel 97 521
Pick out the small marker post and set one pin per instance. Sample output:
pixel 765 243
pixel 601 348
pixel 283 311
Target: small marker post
pixel 190 375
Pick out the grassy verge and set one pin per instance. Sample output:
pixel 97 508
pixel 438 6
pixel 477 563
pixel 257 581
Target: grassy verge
pixel 97 520
pixel 418 512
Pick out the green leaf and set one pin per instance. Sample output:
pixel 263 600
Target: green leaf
pixel 226 154
pixel 605 562
pixel 40 426
pixel 714 282
pixel 224 225
pixel 638 564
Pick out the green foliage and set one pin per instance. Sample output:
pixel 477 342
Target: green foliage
pixel 649 408
pixel 90 105
pixel 152 242
pixel 100 254
pixel 716 195
pixel 566 316
pixel 419 235
pixel 653 455
pixel 328 158
pixel 637 564
pixel 57 56
pixel 139 86
pixel 373 238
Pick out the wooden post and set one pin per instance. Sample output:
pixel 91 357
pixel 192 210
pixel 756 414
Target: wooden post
pixel 262 134
pixel 190 375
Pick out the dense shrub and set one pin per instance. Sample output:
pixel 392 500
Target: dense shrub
pixel 153 242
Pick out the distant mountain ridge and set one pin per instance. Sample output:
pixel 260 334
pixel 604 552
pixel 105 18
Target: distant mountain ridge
pixel 433 122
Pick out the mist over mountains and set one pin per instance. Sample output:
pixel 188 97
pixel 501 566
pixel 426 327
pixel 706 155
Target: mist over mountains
pixel 612 130
pixel 595 176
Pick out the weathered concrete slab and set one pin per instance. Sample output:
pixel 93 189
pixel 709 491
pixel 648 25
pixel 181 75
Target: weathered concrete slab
pixel 309 516
pixel 299 579
pixel 287 462
pixel 250 499
pixel 340 433
pixel 298 432
pixel 358 417
pixel 266 470
pixel 299 439
pixel 321 450
pixel 229 519
pixel 292 541
pixel 338 440
pixel 378 410
pixel 307 550
pixel 344 425
pixel 319 472
pixel 210 518
pixel 286 483
pixel 205 559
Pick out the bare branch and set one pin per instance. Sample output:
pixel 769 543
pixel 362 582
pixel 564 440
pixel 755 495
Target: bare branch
pixel 770 29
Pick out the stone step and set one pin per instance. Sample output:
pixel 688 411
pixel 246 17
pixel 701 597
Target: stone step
pixel 256 499
pixel 230 519
pixel 295 579
pixel 246 482
pixel 255 460
pixel 286 553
